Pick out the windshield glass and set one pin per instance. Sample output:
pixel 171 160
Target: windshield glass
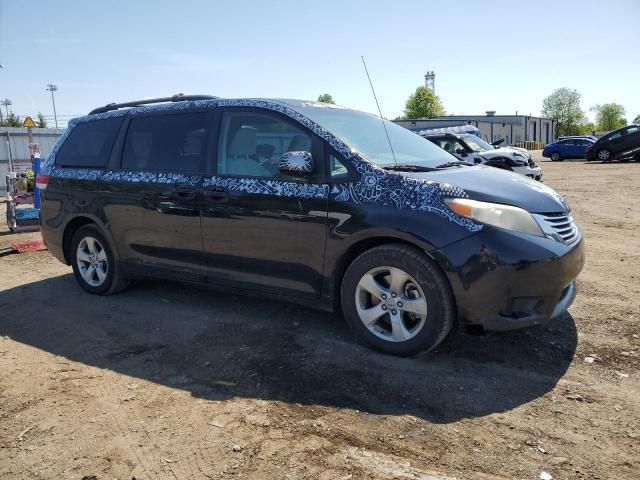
pixel 364 133
pixel 476 143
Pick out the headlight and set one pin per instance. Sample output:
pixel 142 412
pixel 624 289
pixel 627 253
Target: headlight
pixel 503 216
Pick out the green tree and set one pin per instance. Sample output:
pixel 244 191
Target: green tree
pixel 637 119
pixel 609 116
pixel 563 106
pixel 585 128
pixel 41 122
pixel 12 120
pixel 326 98
pixel 423 103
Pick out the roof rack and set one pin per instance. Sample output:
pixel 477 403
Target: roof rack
pixel 180 97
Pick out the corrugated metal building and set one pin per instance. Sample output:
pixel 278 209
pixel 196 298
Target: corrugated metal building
pixel 14 146
pixel 511 128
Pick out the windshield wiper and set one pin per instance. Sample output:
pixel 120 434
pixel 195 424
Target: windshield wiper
pixel 459 163
pixel 408 168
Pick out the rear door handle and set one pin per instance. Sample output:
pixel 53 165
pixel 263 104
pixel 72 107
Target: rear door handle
pixel 216 192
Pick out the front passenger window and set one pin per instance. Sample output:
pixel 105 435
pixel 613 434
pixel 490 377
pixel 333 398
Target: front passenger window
pixel 251 144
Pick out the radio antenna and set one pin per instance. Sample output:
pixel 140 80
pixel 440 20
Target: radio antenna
pixel 393 154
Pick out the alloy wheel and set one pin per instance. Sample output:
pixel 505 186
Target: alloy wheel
pixel 604 155
pixel 391 304
pixel 92 262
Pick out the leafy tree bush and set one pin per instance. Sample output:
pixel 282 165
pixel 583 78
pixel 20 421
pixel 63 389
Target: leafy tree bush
pixel 563 106
pixel 609 116
pixel 423 103
pixel 41 122
pixel 326 98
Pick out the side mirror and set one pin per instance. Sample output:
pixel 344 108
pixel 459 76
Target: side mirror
pixel 460 151
pixel 296 163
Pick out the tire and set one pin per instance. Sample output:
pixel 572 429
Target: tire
pixel 11 216
pixel 555 157
pixel 604 155
pixel 90 248
pixel 391 327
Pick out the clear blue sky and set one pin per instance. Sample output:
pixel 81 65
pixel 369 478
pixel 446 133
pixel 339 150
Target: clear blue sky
pixel 500 55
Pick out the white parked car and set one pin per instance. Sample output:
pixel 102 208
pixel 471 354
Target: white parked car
pixel 473 149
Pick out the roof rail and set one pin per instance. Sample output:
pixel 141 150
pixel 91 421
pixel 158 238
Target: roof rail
pixel 180 97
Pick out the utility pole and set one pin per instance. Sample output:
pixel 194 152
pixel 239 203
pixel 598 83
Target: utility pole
pixel 6 103
pixel 52 88
pixel 1 66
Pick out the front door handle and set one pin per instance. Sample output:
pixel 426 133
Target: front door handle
pixel 216 193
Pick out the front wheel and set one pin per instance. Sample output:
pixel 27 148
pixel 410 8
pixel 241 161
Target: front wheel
pixel 396 299
pixel 604 155
pixel 555 157
pixel 93 262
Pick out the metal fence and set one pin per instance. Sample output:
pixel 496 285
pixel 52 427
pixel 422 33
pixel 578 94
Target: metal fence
pixel 14 148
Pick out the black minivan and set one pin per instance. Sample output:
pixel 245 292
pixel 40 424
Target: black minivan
pixel 312 203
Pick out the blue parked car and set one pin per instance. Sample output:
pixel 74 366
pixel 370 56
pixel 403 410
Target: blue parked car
pixel 570 147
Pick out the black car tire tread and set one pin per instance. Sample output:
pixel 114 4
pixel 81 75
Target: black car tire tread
pixel 441 306
pixel 115 281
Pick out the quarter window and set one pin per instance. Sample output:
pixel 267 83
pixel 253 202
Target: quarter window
pixel 89 144
pixel 166 142
pixel 337 169
pixel 251 144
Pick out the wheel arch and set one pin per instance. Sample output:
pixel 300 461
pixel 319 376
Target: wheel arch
pixel 362 245
pixel 74 225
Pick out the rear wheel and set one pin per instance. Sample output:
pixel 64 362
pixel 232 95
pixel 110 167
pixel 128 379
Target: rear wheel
pixel 604 155
pixel 93 262
pixel 396 299
pixel 555 157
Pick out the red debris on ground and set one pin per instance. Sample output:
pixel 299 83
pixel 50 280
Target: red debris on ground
pixel 29 246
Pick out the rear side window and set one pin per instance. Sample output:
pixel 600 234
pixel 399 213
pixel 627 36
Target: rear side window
pixel 166 142
pixel 89 144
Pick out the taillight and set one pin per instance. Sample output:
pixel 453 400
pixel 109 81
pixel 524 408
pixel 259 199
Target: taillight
pixel 41 182
pixel 588 149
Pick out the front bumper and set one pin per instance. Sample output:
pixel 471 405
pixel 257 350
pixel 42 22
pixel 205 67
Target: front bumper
pixel 535 173
pixel 509 281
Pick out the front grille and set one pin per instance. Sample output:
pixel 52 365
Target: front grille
pixel 563 225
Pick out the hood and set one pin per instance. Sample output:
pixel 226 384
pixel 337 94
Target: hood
pixel 494 185
pixel 508 151
pixel 523 151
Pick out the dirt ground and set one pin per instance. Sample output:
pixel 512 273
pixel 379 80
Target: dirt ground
pixel 164 381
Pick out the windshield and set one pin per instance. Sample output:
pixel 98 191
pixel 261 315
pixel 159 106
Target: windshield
pixel 364 133
pixel 476 143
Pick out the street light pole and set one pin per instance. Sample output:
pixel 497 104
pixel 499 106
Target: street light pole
pixel 6 102
pixel 52 88
pixel 1 66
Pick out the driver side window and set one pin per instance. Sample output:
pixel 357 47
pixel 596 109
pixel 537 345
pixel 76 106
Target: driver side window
pixel 251 144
